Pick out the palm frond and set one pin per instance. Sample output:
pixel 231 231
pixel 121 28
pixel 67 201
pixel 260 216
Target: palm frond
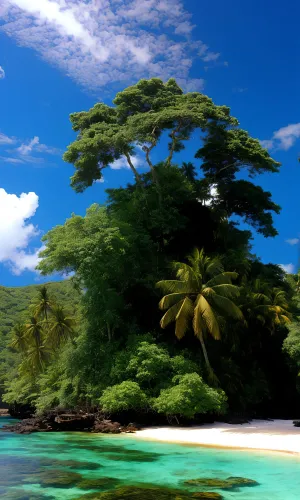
pixel 228 290
pixel 173 286
pixel 170 315
pixel 186 273
pixel 208 315
pixel 224 278
pixel 226 306
pixel 171 299
pixel 183 317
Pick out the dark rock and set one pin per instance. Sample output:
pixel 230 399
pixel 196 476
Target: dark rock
pixel 149 492
pixel 219 484
pixel 101 483
pixel 107 427
pixel 296 423
pixel 231 483
pixel 207 495
pixel 242 481
pixel 67 421
pixel 238 421
pixel 57 479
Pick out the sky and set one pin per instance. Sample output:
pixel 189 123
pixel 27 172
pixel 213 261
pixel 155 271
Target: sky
pixel 62 56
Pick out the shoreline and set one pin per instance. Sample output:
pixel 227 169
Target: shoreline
pixel 278 436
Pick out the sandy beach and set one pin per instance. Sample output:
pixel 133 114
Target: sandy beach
pixel 278 435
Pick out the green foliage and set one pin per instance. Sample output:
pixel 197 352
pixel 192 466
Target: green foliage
pixel 189 396
pixel 123 397
pixel 118 252
pixel 14 302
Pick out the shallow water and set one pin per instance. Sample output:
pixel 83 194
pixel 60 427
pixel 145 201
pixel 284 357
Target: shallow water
pixel 32 466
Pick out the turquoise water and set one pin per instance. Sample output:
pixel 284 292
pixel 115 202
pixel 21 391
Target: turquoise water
pixel 30 465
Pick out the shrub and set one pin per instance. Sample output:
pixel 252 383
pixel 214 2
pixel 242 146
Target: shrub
pixel 188 397
pixel 121 397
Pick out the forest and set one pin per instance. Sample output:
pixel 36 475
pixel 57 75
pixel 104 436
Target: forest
pixel 168 314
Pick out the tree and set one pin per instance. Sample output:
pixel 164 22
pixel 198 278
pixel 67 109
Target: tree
pixel 202 293
pixel 61 327
pixel 18 341
pixel 35 336
pixel 267 305
pixel 148 111
pixel 142 113
pixel 43 304
pixel 189 396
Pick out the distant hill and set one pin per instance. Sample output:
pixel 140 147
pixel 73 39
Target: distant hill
pixel 15 301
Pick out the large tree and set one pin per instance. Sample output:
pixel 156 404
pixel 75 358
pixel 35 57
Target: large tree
pixel 153 113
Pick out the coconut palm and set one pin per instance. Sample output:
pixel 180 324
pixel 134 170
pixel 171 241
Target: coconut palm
pixel 202 296
pixel 61 327
pixel 18 341
pixel 34 333
pixel 265 304
pixel 37 358
pixel 36 354
pixel 43 304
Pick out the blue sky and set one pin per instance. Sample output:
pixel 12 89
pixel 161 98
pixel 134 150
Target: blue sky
pixel 61 56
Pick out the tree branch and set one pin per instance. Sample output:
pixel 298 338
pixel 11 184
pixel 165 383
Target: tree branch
pixel 131 165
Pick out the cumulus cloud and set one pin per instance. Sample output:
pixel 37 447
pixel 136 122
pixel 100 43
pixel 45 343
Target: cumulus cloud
pixel 292 241
pixel 2 73
pixel 288 268
pixel 284 138
pixel 16 232
pixel 108 41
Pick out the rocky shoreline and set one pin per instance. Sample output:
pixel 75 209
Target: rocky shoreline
pixel 69 421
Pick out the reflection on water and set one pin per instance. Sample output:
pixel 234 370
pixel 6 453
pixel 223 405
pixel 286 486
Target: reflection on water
pixel 75 466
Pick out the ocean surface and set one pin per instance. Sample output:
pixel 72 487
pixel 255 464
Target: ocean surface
pixel 66 466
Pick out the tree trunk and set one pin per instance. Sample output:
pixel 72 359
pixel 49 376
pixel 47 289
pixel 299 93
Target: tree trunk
pixel 135 173
pixel 209 368
pixel 211 374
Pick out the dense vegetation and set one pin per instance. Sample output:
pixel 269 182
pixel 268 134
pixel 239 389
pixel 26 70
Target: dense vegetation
pixel 228 337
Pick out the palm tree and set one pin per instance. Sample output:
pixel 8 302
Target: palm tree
pixel 61 327
pixel 201 296
pixel 36 353
pixel 34 333
pixel 18 341
pixel 189 170
pixel 279 307
pixel 43 304
pixel 265 304
pixel 36 358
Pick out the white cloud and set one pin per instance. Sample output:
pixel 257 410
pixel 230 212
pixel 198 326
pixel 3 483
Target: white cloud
pixel 213 192
pixel 8 159
pixel 288 268
pixel 292 241
pixel 267 143
pixel 24 149
pixel 16 232
pixel 28 151
pixel 284 138
pixel 122 163
pixel 97 42
pixel 2 73
pixel 4 139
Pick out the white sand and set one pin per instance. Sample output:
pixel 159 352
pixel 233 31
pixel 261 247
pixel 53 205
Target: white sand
pixel 279 435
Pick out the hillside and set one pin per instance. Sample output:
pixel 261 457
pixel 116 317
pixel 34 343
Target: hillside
pixel 15 301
